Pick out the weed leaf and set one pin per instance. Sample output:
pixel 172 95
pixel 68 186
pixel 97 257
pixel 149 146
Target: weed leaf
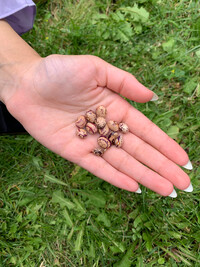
pixel 102 217
pixel 96 198
pixel 136 13
pixel 91 252
pixel 125 261
pixel 198 53
pixel 52 179
pixel 190 86
pixel 173 131
pixel 169 45
pixel 58 197
pixel 79 240
pixel 67 218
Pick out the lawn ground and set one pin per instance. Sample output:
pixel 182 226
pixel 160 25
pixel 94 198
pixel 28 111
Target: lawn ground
pixel 54 213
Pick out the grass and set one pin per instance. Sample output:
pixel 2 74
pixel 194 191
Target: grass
pixel 54 213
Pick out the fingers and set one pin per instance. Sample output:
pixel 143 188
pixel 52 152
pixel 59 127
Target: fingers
pixel 136 162
pixel 121 82
pixel 99 167
pixel 146 130
pixel 123 169
pixel 152 158
pixel 126 164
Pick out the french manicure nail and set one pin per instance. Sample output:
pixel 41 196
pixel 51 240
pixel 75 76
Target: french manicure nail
pixel 189 188
pixel 188 166
pixel 173 194
pixel 155 97
pixel 138 191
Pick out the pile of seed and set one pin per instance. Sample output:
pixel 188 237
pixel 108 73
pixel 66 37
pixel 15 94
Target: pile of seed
pixel 95 122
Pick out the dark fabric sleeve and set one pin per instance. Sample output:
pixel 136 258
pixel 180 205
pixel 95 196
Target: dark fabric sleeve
pixel 8 124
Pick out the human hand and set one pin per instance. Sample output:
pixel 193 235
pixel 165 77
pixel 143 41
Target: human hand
pixel 55 90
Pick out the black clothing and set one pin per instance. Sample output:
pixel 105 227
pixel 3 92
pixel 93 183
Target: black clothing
pixel 8 124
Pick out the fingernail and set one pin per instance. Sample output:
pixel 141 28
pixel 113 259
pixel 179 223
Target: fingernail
pixel 138 191
pixel 155 97
pixel 188 166
pixel 189 188
pixel 173 194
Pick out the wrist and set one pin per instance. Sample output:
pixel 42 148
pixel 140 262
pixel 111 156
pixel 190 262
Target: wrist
pixel 16 58
pixel 13 75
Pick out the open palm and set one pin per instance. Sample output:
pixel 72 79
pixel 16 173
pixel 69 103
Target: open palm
pixel 57 89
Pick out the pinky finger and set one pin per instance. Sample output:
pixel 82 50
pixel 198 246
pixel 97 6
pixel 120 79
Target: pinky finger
pixel 99 167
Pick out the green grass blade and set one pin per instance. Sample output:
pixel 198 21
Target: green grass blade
pixel 52 179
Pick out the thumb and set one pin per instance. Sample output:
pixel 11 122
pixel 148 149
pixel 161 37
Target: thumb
pixel 122 82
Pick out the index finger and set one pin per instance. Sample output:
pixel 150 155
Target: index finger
pixel 121 82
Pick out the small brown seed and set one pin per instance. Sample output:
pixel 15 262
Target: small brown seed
pixel 119 141
pixel 91 128
pixel 103 142
pixel 81 133
pixel 81 121
pixel 100 122
pixel 123 127
pixel 112 136
pixel 101 111
pixel 113 125
pixel 98 151
pixel 104 131
pixel 90 116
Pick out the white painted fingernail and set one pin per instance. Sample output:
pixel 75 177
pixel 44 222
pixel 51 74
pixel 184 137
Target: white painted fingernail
pixel 189 188
pixel 173 194
pixel 138 191
pixel 155 97
pixel 188 166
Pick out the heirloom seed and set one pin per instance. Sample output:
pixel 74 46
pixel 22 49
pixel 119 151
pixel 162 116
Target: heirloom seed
pixel 81 121
pixel 119 141
pixel 103 142
pixel 91 128
pixel 98 151
pixel 100 122
pixel 113 125
pixel 123 127
pixel 90 116
pixel 95 122
pixel 81 133
pixel 104 131
pixel 101 111
pixel 112 136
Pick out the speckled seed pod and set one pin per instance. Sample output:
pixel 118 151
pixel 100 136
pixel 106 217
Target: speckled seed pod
pixel 101 111
pixel 112 136
pixel 100 122
pixel 123 127
pixel 91 128
pixel 81 121
pixel 113 125
pixel 119 141
pixel 104 131
pixel 81 133
pixel 103 142
pixel 90 116
pixel 98 151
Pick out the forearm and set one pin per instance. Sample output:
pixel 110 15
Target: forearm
pixel 16 57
